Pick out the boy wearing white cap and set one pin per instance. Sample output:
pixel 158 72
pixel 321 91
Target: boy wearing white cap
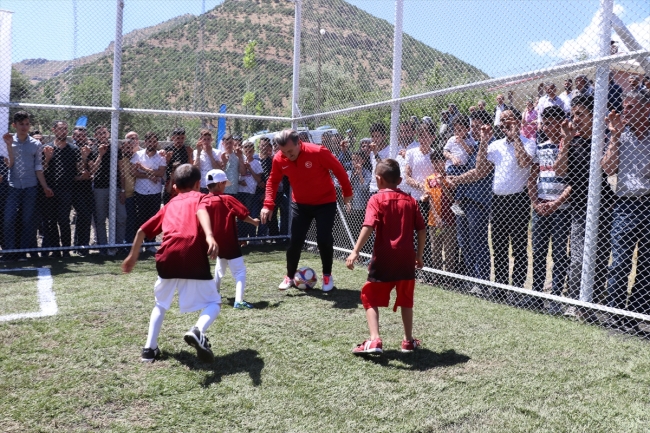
pixel 223 209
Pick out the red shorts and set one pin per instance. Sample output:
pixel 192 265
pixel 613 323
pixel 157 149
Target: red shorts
pixel 378 294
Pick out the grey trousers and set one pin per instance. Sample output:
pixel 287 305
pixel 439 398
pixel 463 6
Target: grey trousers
pixel 102 212
pixel 602 252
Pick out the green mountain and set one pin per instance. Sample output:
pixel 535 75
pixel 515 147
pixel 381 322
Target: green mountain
pixel 197 63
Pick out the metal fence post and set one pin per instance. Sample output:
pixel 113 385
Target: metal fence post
pixel 115 120
pixel 296 63
pixel 397 75
pixel 597 144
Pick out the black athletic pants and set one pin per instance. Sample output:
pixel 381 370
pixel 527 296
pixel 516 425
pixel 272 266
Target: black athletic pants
pixel 302 216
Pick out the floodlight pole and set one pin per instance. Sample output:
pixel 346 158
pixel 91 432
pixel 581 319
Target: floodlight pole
pixel 115 122
pixel 597 145
pixel 397 75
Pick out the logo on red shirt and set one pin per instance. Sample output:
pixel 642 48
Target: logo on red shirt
pixel 308 164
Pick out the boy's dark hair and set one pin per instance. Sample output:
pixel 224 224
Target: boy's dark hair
pixel 553 112
pixel 461 119
pixel 265 139
pixel 226 137
pixel 35 132
pixel 56 123
pixel 378 127
pixel 585 101
pixel 436 155
pixel 482 116
pixel 20 116
pixel 186 175
pixel 150 134
pixel 98 127
pixel 178 131
pixel 388 169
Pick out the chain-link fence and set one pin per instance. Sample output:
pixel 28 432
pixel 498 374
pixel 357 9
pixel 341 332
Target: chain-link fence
pixel 520 128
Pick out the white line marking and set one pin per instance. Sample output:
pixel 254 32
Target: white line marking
pixel 46 298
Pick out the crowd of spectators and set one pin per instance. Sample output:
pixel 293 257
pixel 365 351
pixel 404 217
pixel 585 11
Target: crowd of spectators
pixel 55 193
pixel 486 181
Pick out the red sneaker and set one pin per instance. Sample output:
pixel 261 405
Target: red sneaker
pixel 410 346
pixel 368 346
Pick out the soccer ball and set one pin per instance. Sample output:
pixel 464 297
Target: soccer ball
pixel 305 278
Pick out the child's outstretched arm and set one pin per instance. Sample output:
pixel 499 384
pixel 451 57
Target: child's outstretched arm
pixel 254 221
pixel 129 263
pixel 364 235
pixel 204 220
pixel 422 238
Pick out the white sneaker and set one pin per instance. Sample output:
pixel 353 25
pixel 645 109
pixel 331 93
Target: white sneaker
pixel 328 283
pixel 286 284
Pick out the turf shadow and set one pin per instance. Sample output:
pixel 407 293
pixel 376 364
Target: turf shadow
pixel 421 360
pixel 261 305
pixel 346 299
pixel 245 360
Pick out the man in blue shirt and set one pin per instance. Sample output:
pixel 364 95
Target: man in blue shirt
pixel 24 177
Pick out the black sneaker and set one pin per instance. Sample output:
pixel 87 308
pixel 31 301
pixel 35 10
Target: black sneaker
pixel 149 354
pixel 200 342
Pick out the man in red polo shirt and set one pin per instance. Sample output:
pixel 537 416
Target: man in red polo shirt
pixel 307 166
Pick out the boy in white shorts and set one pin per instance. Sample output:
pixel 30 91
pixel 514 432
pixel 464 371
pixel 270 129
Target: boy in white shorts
pixel 223 209
pixel 182 263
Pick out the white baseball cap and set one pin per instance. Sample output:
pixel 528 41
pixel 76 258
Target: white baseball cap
pixel 216 176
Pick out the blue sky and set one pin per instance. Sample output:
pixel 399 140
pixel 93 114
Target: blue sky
pixel 498 36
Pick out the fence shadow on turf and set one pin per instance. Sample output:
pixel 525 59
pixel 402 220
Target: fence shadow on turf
pixel 242 361
pixel 421 360
pixel 346 299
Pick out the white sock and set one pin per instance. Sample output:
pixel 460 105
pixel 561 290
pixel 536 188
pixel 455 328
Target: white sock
pixel 238 269
pixel 208 315
pixel 155 323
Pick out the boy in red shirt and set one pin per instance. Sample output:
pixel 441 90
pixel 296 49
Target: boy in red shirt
pixel 393 215
pixel 223 209
pixel 182 263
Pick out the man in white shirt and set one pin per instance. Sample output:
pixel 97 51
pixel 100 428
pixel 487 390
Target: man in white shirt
pixel 149 169
pixel 378 150
pixel 206 157
pixel 405 142
pixel 582 87
pixel 510 159
pixel 567 94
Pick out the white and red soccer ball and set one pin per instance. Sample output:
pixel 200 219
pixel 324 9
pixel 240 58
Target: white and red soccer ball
pixel 305 278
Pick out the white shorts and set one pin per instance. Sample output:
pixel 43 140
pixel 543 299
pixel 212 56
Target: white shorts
pixel 193 295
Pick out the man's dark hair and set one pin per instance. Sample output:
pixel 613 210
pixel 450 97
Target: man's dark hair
pixel 20 116
pixel 98 127
pixel 226 137
pixel 516 113
pixel 34 132
pixel 378 127
pixel 265 139
pixel 186 175
pixel 430 128
pixel 80 128
pixel 283 137
pixel 436 155
pixel 643 96
pixel 482 116
pixel 56 123
pixel 583 101
pixel 461 119
pixel 178 131
pixel 553 112
pixel 150 134
pixel 388 169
